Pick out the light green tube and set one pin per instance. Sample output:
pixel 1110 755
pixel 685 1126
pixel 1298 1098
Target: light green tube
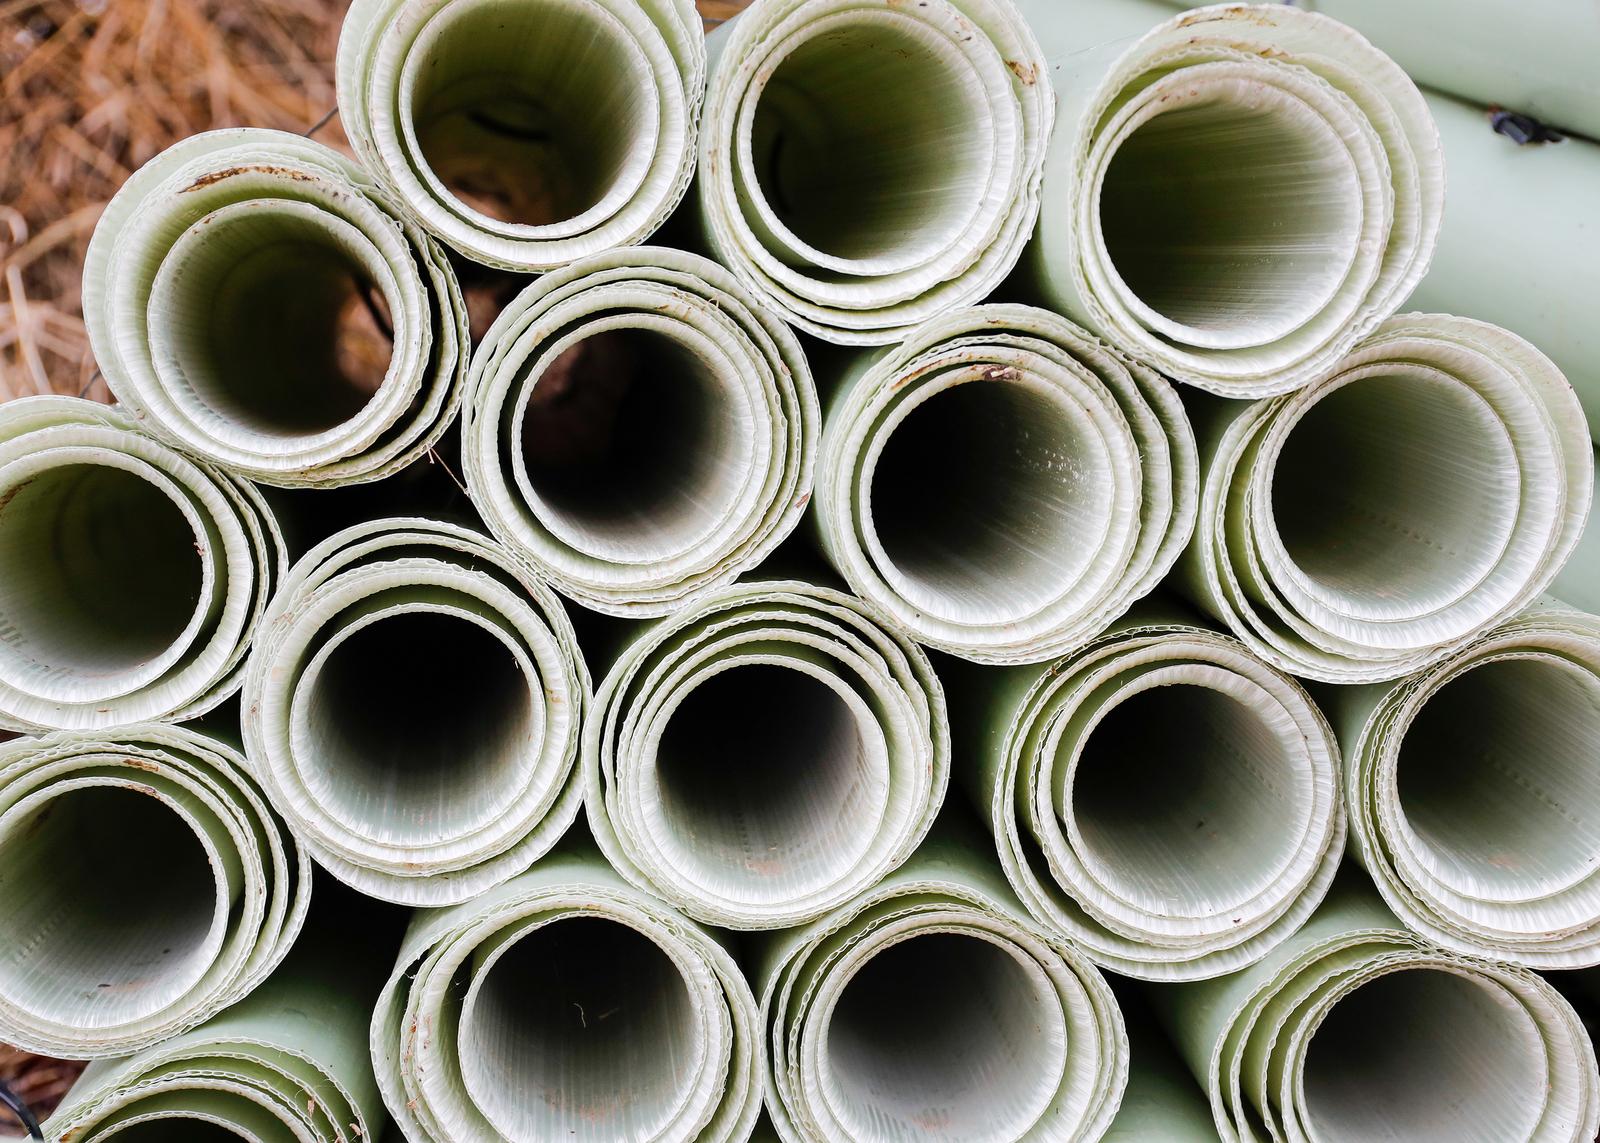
pixel 526 133
pixel 214 291
pixel 931 1006
pixel 412 708
pixel 1472 796
pixel 566 1005
pixel 146 885
pixel 1355 1029
pixel 1425 489
pixel 1001 483
pixel 868 164
pixel 134 577
pixel 765 754
pixel 1162 798
pixel 1234 195
pixel 640 427
pixel 289 1064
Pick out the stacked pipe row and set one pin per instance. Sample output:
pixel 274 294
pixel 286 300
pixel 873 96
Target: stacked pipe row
pixel 988 584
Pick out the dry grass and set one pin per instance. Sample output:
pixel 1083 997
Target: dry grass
pixel 89 90
pixel 93 88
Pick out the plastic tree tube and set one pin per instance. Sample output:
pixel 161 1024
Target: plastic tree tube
pixel 147 885
pixel 412 708
pixel 216 289
pixel 1425 488
pixel 526 133
pixel 1162 798
pixel 641 1026
pixel 866 166
pixel 765 754
pixel 134 577
pixel 640 428
pixel 1234 195
pixel 1002 484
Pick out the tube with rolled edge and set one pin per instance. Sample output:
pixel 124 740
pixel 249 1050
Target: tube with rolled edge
pixel 1428 486
pixel 1234 195
pixel 1002 485
pixel 641 1025
pixel 1161 798
pixel 1356 1029
pixel 1471 791
pixel 134 577
pixel 931 1005
pixel 290 1062
pixel 865 166
pixel 526 133
pixel 214 291
pixel 412 708
pixel 641 428
pixel 765 754
pixel 146 885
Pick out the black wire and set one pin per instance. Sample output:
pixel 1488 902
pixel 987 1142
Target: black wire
pixel 20 1109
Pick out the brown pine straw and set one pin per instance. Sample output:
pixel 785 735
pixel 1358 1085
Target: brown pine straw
pixel 89 90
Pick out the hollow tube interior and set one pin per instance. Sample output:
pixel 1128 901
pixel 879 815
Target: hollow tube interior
pixel 583 1029
pixel 1423 1054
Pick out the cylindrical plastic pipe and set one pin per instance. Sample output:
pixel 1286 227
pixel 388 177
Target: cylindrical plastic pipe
pixel 868 165
pixel 1162 798
pixel 933 1006
pixel 565 1004
pixel 766 754
pixel 641 428
pixel 526 133
pixel 1356 1029
pixel 413 709
pixel 134 577
pixel 223 290
pixel 147 885
pixel 1002 484
pixel 1471 791
pixel 1234 195
pixel 1427 487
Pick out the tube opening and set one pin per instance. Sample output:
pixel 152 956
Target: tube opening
pixel 1396 488
pixel 530 112
pixel 275 325
pixel 101 569
pixel 767 787
pixel 1496 773
pixel 1182 792
pixel 1231 216
pixel 583 1029
pixel 942 1035
pixel 1424 1054
pixel 420 724
pixel 866 141
pixel 989 501
pixel 629 442
pixel 107 908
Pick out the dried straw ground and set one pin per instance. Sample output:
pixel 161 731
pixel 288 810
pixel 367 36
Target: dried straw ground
pixel 90 89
